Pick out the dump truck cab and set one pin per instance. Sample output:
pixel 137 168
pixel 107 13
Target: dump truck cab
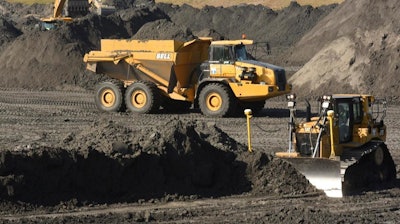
pixel 251 81
pixel 229 59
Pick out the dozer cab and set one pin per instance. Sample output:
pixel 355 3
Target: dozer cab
pixel 219 77
pixel 343 150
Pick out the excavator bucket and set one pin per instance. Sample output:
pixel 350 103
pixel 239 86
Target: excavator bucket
pixel 324 174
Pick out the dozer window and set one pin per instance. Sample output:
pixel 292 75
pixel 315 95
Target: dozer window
pixel 357 112
pixel 344 122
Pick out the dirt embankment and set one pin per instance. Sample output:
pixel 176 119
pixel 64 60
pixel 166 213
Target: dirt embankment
pixel 353 49
pixel 108 162
pixel 348 48
pixel 47 60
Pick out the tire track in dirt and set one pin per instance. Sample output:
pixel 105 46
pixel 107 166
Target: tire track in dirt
pixel 239 209
pixel 214 206
pixel 42 116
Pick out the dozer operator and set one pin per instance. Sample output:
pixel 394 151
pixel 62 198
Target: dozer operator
pixel 343 150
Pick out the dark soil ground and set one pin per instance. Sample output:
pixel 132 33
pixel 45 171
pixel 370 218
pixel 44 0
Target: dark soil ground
pixel 62 161
pixel 357 46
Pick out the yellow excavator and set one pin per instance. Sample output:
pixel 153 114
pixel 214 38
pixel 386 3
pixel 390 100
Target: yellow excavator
pixel 342 150
pixel 66 10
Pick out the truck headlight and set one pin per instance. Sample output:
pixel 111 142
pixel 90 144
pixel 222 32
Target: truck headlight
pixel 327 97
pixel 291 97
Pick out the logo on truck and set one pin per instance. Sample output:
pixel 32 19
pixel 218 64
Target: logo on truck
pixel 163 56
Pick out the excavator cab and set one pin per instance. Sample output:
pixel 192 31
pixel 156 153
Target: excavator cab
pixel 42 26
pixel 342 150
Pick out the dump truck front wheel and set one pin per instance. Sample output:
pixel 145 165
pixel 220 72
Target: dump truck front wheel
pixel 142 97
pixel 216 100
pixel 109 96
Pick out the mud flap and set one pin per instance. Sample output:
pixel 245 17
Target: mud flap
pixel 324 174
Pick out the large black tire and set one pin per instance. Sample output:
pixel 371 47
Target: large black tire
pixel 217 100
pixel 110 96
pixel 142 97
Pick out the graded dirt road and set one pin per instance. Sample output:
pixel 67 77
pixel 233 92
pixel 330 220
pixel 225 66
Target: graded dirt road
pixel 35 119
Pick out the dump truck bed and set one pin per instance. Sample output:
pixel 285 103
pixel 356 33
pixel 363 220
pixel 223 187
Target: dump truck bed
pixel 160 61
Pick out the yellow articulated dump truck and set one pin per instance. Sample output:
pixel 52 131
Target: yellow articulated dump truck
pixel 219 77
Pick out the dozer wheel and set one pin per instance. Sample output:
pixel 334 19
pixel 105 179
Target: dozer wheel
pixel 386 168
pixel 373 169
pixel 216 100
pixel 142 97
pixel 109 96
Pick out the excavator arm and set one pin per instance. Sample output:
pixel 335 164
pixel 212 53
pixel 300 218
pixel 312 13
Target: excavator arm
pixel 49 22
pixel 58 8
pixel 77 8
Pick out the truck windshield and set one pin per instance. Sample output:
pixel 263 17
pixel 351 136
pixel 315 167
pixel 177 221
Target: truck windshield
pixel 221 53
pixel 241 53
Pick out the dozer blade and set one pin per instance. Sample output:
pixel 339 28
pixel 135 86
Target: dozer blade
pixel 324 174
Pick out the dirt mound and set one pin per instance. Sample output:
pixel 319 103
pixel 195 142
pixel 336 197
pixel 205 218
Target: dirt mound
pixel 9 32
pixel 134 18
pixel 46 61
pixel 164 29
pixel 281 29
pixel 18 12
pixel 353 49
pixel 55 57
pixel 105 135
pixel 113 163
pixel 124 4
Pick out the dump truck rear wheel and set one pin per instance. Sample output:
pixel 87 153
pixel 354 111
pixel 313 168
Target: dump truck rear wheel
pixel 216 100
pixel 109 96
pixel 142 97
